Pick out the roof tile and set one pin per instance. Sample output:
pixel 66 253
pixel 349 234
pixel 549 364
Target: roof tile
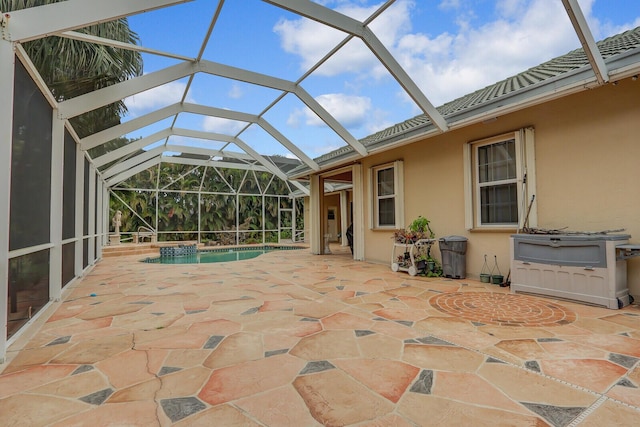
pixel 611 46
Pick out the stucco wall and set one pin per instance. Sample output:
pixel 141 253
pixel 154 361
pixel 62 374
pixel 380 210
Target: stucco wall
pixel 307 219
pixel 587 165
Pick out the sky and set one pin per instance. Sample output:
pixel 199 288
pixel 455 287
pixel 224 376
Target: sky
pixel 448 47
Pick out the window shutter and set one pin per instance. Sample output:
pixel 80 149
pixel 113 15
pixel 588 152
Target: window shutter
pixel 398 167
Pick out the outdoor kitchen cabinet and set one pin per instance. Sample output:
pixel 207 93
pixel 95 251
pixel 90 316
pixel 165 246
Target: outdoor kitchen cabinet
pixel 581 267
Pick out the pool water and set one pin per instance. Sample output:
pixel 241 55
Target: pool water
pixel 218 255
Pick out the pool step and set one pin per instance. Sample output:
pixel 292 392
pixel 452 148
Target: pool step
pixel 129 249
pixel 126 249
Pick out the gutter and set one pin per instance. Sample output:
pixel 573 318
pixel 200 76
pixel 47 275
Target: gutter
pixel 575 81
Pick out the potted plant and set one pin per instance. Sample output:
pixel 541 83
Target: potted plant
pixel 434 269
pixel 400 236
pixel 420 235
pixel 485 273
pixel 421 259
pixel 420 226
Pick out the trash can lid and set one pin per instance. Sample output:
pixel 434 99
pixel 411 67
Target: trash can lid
pixel 453 239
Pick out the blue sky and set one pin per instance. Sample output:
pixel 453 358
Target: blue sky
pixel 448 47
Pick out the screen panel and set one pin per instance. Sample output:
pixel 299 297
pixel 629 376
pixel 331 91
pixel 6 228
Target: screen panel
pixel 30 164
pixel 28 288
pixel 69 188
pixel 68 262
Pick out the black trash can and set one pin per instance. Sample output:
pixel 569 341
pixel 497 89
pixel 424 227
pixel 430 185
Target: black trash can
pixel 454 259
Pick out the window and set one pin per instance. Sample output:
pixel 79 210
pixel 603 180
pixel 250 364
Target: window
pixel 500 176
pixel 497 182
pixel 388 204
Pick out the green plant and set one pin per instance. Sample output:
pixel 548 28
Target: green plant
pixel 420 228
pixel 181 198
pixel 421 225
pixel 74 67
pixel 421 256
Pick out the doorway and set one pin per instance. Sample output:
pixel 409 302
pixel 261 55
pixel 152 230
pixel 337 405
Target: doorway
pixel 332 223
pixel 341 192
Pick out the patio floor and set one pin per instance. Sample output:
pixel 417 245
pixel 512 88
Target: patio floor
pixel 294 339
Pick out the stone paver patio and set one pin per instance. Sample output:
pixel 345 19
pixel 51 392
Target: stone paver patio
pixel 294 339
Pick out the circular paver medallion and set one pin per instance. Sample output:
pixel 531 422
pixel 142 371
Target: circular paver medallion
pixel 503 309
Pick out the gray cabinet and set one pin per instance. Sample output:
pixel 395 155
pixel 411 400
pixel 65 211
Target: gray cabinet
pixel 577 267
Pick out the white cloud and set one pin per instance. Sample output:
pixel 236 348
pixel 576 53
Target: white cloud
pixel 449 4
pixel 510 8
pixel 307 39
pixel 311 41
pixel 223 126
pixel 155 98
pixel 236 92
pixel 518 35
pixel 351 111
pixel 526 34
pixel 604 29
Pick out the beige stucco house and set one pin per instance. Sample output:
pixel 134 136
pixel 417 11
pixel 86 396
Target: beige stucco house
pixel 553 146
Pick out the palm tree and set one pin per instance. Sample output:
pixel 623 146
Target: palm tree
pixel 72 68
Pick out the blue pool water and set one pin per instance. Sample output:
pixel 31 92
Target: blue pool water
pixel 219 255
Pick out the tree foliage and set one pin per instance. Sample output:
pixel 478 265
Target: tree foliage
pixel 71 68
pixel 230 201
pixel 182 198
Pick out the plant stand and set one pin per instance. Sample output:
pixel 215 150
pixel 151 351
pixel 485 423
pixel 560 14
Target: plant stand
pixel 406 261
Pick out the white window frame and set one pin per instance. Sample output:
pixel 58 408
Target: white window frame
pixel 398 195
pixel 525 181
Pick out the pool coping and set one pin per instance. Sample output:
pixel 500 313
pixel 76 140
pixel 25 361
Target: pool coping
pixel 184 250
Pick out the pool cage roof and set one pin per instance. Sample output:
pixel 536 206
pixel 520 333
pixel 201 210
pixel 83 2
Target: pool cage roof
pixel 267 85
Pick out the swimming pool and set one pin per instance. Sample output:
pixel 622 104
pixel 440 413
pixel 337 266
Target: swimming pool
pixel 220 255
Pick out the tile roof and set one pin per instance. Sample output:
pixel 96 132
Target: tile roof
pixel 533 77
pixel 556 67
